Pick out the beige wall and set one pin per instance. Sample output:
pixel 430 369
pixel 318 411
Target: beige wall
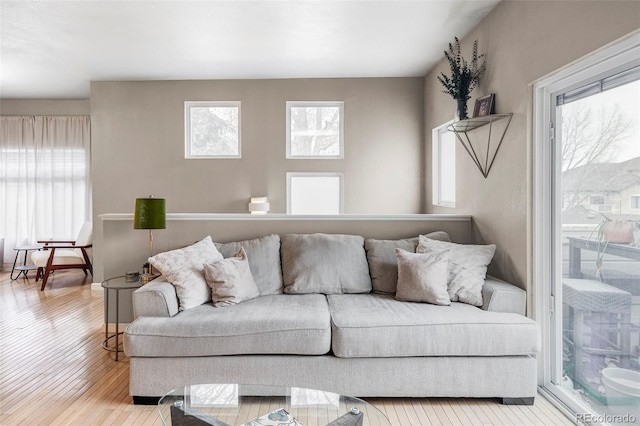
pixel 138 144
pixel 523 41
pixel 44 107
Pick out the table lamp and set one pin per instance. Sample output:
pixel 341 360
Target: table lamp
pixel 150 213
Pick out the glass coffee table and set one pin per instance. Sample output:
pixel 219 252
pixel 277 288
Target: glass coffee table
pixel 258 405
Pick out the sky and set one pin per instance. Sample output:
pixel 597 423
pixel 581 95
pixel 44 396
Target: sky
pixel 628 98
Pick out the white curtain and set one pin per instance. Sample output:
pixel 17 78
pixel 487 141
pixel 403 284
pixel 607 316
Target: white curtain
pixel 44 178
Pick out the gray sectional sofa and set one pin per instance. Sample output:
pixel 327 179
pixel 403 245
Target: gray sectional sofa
pixel 327 318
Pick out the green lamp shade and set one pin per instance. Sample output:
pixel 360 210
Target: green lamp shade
pixel 150 213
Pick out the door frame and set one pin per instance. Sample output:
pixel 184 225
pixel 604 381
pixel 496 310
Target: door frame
pixel 546 195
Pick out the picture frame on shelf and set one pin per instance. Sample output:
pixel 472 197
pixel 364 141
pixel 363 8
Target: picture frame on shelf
pixel 484 106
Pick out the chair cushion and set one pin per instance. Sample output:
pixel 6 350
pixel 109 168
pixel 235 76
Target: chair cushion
pixel 85 235
pixel 594 296
pixel 62 257
pixel 322 263
pixel 275 324
pixel 376 325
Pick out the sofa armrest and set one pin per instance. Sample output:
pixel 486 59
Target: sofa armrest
pixel 500 296
pixel 155 299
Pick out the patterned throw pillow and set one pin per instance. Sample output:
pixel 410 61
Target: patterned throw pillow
pixel 230 280
pixel 184 268
pixel 467 267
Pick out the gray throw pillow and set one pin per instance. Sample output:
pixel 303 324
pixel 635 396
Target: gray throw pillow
pixel 230 280
pixel 322 263
pixel 264 260
pixel 467 267
pixel 422 277
pixel 383 263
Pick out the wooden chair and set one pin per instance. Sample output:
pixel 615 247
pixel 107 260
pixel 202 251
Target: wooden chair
pixel 64 254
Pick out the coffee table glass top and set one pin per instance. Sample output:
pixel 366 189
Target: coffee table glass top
pixel 257 405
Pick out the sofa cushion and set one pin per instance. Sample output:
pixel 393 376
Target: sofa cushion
pixel 275 324
pixel 375 325
pixel 264 261
pixel 467 267
pixel 230 280
pixel 422 277
pixel 322 263
pixel 184 268
pixel 383 264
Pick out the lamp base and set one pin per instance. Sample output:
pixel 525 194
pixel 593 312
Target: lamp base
pixel 149 277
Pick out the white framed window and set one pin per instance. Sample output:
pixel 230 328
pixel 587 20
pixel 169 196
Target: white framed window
pixel 314 193
pixel 315 130
pixel 443 158
pixel 634 202
pixel 596 82
pixel 212 129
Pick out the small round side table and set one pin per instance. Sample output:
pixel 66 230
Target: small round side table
pixel 117 284
pixel 25 267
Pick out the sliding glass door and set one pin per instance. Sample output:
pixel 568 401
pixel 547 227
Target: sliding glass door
pixel 588 240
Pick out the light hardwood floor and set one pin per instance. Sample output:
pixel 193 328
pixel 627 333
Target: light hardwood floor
pixel 53 370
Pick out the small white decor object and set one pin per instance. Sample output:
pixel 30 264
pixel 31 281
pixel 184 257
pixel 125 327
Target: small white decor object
pixel 259 205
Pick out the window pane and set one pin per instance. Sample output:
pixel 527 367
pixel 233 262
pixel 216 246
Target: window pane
pixel 314 130
pixel 314 194
pixel 447 168
pixel 600 282
pixel 213 131
pixel 443 151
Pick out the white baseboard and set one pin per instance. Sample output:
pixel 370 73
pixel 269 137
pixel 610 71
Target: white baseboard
pixel 96 286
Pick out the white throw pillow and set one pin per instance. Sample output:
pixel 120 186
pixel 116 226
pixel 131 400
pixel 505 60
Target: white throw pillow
pixel 230 280
pixel 422 277
pixel 184 268
pixel 467 267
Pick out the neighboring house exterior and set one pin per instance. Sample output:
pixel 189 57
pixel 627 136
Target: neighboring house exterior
pixel 612 189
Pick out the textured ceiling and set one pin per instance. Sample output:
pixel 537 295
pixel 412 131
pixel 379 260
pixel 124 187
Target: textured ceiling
pixel 53 49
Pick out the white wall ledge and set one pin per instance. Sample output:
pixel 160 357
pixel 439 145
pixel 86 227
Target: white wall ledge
pixel 287 217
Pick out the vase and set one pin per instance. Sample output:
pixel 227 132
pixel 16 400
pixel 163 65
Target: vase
pixel 461 109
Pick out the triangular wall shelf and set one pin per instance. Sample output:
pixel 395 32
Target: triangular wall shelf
pixel 463 127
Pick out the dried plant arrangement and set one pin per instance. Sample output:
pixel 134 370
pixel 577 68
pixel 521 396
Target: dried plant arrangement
pixel 465 76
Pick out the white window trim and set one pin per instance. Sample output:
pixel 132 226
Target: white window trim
pixel 631 201
pixel 187 128
pixel 436 167
pixel 544 237
pixel 290 104
pixel 315 174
